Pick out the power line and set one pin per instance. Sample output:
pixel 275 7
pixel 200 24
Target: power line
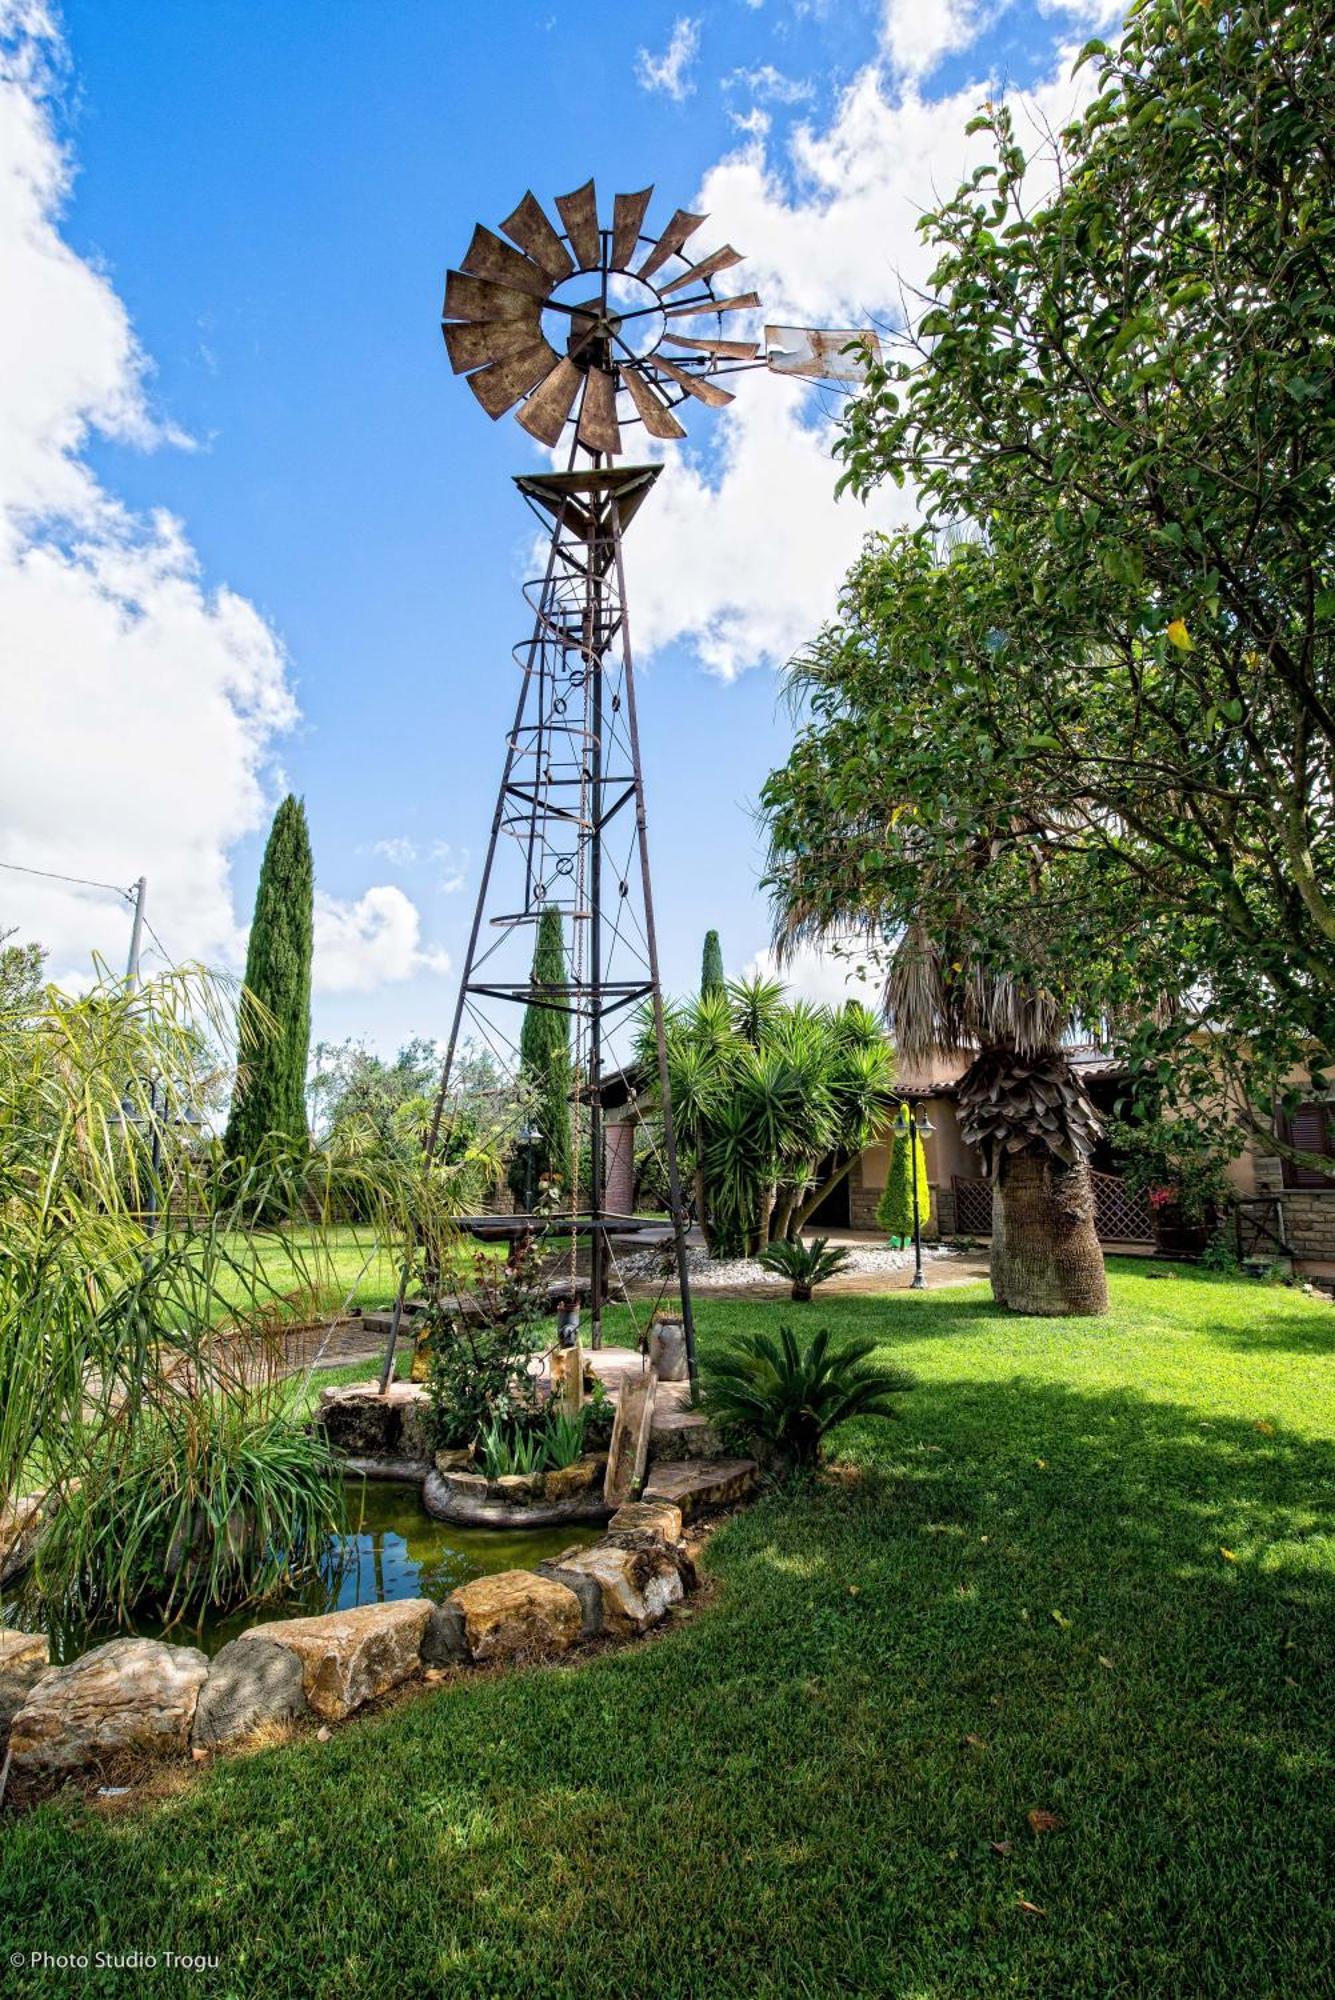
pixel 166 955
pixel 83 881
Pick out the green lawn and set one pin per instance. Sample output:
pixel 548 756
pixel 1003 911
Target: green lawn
pixel 1024 1603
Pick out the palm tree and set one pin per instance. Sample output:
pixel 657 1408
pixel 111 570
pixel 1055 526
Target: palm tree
pixel 1022 1105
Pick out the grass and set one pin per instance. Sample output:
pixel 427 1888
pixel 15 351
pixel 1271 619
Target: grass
pixel 1089 1573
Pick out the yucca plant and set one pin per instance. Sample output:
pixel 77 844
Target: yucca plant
pixel 789 1395
pixel 805 1265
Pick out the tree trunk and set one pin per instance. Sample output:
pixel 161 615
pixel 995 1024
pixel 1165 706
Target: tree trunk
pixel 1045 1255
pixel 817 1195
pixel 702 1210
pixel 779 1221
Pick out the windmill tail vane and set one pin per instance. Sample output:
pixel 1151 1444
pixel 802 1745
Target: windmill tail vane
pixel 591 332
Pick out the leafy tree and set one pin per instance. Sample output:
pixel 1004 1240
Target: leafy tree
pixel 894 1211
pixel 364 1107
pixel 772 1101
pixel 1117 400
pixel 711 964
pixel 21 968
pixel 545 1066
pixel 269 1100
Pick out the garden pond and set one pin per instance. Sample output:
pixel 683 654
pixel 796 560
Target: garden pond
pixel 393 1550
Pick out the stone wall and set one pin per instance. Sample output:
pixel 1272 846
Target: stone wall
pixel 1309 1213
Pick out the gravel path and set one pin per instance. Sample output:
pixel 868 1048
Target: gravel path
pixel 864 1261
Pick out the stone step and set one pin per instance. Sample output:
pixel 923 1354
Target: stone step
pixel 682 1433
pixel 696 1485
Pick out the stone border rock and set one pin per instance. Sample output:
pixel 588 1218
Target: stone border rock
pixel 137 1702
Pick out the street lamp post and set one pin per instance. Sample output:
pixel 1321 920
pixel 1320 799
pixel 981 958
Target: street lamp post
pixel 918 1128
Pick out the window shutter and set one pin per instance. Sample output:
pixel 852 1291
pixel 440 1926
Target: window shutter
pixel 1311 1128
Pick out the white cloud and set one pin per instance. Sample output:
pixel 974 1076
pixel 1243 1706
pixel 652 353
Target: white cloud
pixel 375 941
pixel 917 33
pixel 824 976
pixel 669 72
pixel 141 705
pixel 748 547
pixel 396 848
pixel 453 867
pixel 770 83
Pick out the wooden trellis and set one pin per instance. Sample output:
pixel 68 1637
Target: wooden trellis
pixel 1120 1215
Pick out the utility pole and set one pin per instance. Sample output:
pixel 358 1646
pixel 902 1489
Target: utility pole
pixel 137 895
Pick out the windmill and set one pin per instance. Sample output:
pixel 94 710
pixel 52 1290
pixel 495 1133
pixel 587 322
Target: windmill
pixel 586 333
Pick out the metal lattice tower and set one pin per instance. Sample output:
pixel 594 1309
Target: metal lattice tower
pixel 587 331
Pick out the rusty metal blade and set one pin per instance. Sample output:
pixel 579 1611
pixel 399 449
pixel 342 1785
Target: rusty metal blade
pixel 720 261
pixel 728 350
pixel 694 385
pixel 499 386
pixel 579 212
pixel 742 302
pixel 475 342
pixel 627 215
pixel 544 414
pixel 598 412
pixel 529 227
pixel 682 225
pixel 657 418
pixel 475 298
pixel 488 257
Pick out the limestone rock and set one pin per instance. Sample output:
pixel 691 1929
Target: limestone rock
pixel 443 1640
pixel 132 1698
pixel 638 1584
pixel 586 1589
pixel 476 1502
pixel 516 1615
pixel 656 1517
pixel 24 1658
pixel 361 1423
pixel 583 1476
pixel 350 1657
pixel 683 1434
pixel 696 1485
pixel 21 1522
pixel 250 1682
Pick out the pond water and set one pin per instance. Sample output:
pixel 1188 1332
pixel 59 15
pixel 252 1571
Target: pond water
pixel 394 1550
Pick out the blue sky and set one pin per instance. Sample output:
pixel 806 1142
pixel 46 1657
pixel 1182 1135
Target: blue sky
pixel 275 542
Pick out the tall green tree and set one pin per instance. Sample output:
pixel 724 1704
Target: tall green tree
pixel 545 1066
pixel 894 1210
pixel 711 964
pixel 269 1100
pixel 1117 402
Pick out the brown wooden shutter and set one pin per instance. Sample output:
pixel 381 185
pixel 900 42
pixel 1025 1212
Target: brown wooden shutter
pixel 1312 1129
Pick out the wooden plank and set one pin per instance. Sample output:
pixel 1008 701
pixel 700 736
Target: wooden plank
pixel 629 1451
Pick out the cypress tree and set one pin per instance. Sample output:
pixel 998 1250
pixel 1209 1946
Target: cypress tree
pixel 544 1051
pixel 894 1211
pixel 270 1097
pixel 711 965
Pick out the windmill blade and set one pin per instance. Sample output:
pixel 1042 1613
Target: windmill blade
pixel 488 257
pixel 817 353
pixel 653 412
pixel 720 261
pixel 694 385
pixel 598 429
pixel 500 384
pixel 529 227
pixel 474 342
pixel 476 298
pixel 544 414
pixel 727 350
pixel 682 225
pixel 579 212
pixel 742 302
pixel 627 215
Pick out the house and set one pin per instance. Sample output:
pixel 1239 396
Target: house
pixel 1280 1210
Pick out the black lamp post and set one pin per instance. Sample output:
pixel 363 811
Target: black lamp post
pixel 528 1139
pixel 918 1128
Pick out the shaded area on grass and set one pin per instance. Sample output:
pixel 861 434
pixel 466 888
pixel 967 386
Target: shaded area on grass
pixel 1022 1603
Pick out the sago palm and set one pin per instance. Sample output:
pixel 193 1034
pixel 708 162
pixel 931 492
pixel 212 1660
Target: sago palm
pixel 790 1395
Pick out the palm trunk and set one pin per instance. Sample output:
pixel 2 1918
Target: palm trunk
pixel 779 1220
pixel 1045 1255
pixel 702 1210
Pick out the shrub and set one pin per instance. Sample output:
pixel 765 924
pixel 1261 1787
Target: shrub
pixel 894 1211
pixel 479 1376
pixel 191 1504
pixel 805 1265
pixel 789 1396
